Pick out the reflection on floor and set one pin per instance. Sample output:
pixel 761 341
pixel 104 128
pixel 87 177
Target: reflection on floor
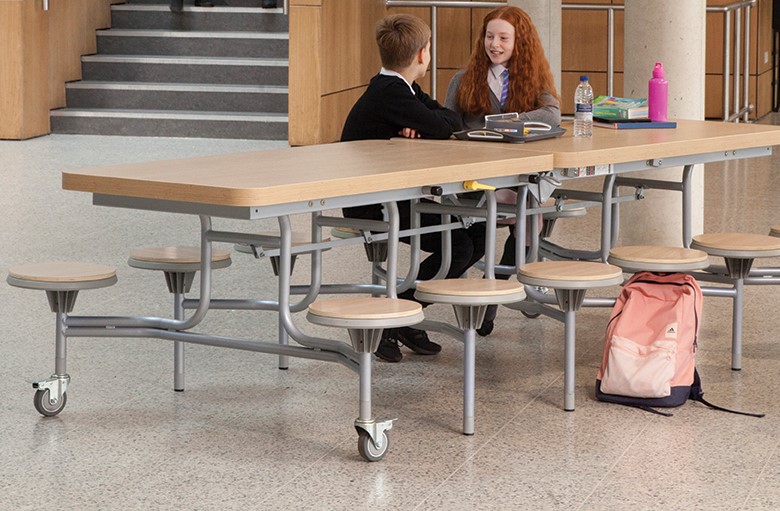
pixel 245 435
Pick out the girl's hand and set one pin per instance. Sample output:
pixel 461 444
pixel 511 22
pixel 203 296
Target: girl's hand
pixel 409 133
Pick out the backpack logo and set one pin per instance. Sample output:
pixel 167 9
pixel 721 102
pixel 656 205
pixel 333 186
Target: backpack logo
pixel 671 331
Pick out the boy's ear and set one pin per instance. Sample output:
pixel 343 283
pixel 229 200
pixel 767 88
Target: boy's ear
pixel 420 58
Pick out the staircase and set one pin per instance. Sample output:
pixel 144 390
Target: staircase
pixel 212 72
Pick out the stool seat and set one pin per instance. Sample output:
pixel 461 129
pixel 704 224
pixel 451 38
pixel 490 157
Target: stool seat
pixel 344 232
pixel 176 259
pixel 737 245
pixel 298 239
pixel 365 312
pixel 658 259
pixel 565 213
pixel 470 291
pixel 570 274
pixel 62 276
pixel 774 230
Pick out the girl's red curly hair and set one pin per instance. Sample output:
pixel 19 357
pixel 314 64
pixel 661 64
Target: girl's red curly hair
pixel 529 70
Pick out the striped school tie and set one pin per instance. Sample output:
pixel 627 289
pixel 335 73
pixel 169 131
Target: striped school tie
pixel 504 86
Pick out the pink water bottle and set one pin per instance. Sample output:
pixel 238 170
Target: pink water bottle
pixel 657 94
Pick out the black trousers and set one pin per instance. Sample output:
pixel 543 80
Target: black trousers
pixel 467 247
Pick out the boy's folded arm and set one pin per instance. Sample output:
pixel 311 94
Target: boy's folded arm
pixel 408 111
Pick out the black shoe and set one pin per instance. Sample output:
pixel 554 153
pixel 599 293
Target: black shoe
pixel 269 4
pixel 176 5
pixel 203 3
pixel 417 341
pixel 488 323
pixel 486 328
pixel 388 349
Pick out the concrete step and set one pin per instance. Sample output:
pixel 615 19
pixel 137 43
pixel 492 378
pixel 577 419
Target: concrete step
pixel 170 123
pixel 230 19
pixel 182 69
pixel 196 43
pixel 177 96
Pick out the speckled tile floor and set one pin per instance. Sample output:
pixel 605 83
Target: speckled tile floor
pixel 245 435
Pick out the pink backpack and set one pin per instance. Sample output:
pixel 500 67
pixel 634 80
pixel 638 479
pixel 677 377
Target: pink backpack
pixel 650 345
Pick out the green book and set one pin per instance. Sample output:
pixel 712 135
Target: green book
pixel 612 107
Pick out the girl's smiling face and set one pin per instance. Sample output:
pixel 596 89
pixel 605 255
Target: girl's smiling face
pixel 499 41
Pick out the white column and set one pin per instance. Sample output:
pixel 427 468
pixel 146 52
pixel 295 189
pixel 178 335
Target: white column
pixel 672 32
pixel 546 15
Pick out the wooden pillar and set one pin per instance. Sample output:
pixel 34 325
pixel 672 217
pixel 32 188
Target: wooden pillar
pixel 24 61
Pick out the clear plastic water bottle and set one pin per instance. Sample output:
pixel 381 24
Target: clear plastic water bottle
pixel 583 109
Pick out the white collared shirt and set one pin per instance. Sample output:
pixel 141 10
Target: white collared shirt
pixel 494 79
pixel 387 72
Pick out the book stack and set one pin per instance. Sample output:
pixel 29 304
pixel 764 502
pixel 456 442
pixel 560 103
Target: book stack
pixel 624 113
pixel 611 107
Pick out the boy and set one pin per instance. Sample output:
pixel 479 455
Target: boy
pixel 395 105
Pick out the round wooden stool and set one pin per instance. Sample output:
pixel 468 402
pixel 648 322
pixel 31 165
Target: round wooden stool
pixel 549 219
pixel 469 299
pixel 570 280
pixel 738 251
pixel 636 258
pixel 376 251
pixel 62 281
pixel 774 230
pixel 365 318
pixel 179 265
pixel 298 239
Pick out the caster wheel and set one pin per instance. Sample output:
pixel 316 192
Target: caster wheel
pixel 45 407
pixel 530 315
pixel 368 450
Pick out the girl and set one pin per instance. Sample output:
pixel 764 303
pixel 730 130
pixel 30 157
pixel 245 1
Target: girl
pixel 507 72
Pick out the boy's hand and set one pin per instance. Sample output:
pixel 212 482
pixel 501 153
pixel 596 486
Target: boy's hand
pixel 409 133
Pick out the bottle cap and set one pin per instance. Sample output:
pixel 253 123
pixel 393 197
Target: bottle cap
pixel 584 78
pixel 658 70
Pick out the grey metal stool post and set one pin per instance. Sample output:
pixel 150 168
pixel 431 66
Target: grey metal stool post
pixel 570 280
pixel 365 318
pixel 179 265
pixel 62 283
pixel 738 250
pixel 469 299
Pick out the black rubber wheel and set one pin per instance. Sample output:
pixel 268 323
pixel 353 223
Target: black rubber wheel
pixel 368 450
pixel 45 407
pixel 530 315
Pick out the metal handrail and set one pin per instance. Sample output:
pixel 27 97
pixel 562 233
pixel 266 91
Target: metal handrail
pixel 739 6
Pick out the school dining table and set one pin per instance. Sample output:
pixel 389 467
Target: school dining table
pixel 277 184
pixel 314 179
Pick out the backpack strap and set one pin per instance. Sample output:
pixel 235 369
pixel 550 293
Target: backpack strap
pixel 697 394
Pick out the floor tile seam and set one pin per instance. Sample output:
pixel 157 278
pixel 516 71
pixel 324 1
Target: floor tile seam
pixel 751 491
pixel 611 469
pixel 78 429
pixel 312 465
pixel 488 441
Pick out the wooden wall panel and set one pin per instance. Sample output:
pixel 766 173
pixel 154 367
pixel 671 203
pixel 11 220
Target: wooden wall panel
pixel 305 80
pixel 581 50
pixel 39 51
pixel 763 101
pixel 11 69
pixel 23 68
pixel 36 64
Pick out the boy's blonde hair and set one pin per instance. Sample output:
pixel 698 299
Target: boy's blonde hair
pixel 399 38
